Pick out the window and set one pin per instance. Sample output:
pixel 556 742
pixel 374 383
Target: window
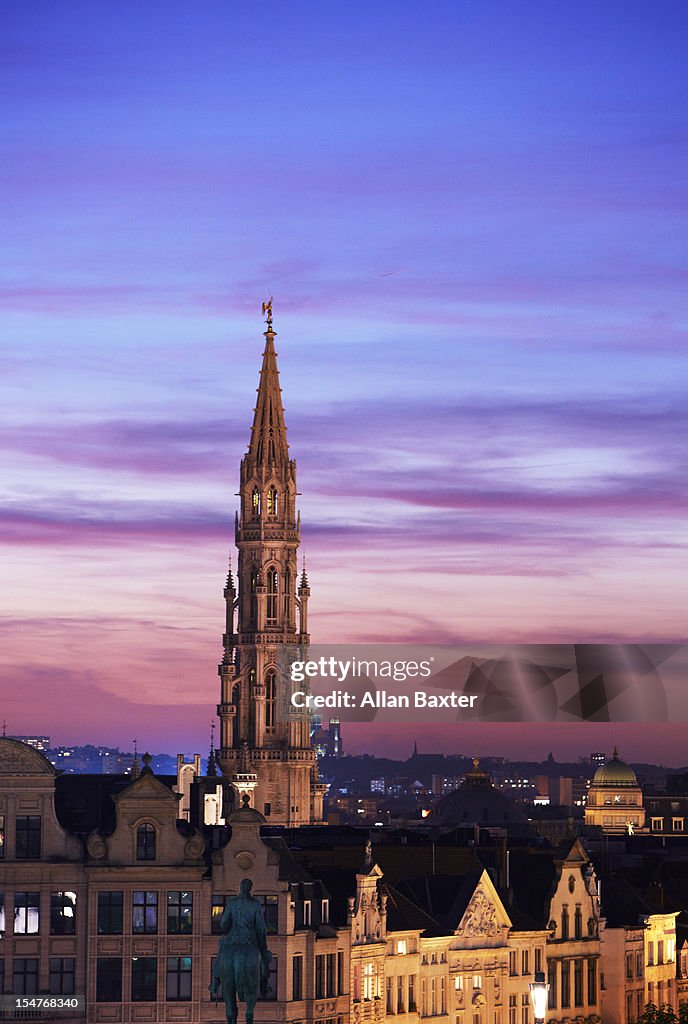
pixel 109 979
pixel 144 979
pixel 110 906
pixel 25 976
pixel 412 993
pixel 2 836
pixel 216 911
pixel 2 920
pixel 512 1009
pixel 565 923
pixel 319 977
pixel 179 913
pixel 389 990
pixel 592 982
pixel 63 913
pixel 342 987
pixel 325 911
pixel 458 983
pixel 629 1007
pixel 538 959
pixel 61 976
pixel 401 947
pixel 512 962
pixel 401 1002
pixel 145 841
pixel 26 913
pixel 650 954
pixel 307 912
pixel 270 700
pixel 271 993
pixel 270 910
pixel 273 502
pixel 677 824
pixel 477 981
pixel 178 986
pixel 368 982
pixel 28 837
pixel 255 503
pixel 297 978
pixel 144 916
pixel 273 587
pixel 639 965
pixel 565 983
pixel 660 952
pixel 657 824
pixel 525 961
pixel 578 923
pixel 331 975
pixel 629 965
pixel 552 981
pixel 578 982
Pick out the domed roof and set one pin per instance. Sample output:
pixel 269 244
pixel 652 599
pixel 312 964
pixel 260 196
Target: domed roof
pixel 17 758
pixel 246 815
pixel 476 801
pixel 615 773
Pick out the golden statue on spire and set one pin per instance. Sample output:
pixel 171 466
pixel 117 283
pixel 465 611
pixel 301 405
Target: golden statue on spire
pixel 267 308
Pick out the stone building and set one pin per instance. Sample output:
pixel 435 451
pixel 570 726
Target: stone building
pixel 265 747
pixel 615 799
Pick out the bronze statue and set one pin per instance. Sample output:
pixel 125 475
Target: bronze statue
pixel 242 964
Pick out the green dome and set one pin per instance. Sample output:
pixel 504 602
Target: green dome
pixel 615 773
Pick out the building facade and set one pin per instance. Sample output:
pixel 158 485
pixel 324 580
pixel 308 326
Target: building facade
pixel 265 747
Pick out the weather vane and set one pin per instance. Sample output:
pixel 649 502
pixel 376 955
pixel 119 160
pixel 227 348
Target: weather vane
pixel 267 308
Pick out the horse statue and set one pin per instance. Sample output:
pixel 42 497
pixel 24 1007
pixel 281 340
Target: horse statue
pixel 242 964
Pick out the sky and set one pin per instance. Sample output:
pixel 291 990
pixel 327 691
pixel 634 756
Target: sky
pixel 472 218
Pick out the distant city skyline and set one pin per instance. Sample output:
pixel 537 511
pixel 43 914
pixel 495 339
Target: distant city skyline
pixel 472 220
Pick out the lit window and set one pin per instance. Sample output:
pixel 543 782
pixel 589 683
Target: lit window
pixel 401 946
pixel 255 502
pixel 63 913
pixel 26 913
pixel 270 700
pixel 273 502
pixel 273 588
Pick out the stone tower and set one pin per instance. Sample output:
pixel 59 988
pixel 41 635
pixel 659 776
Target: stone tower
pixel 265 750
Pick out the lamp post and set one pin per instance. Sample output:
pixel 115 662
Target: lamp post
pixel 539 990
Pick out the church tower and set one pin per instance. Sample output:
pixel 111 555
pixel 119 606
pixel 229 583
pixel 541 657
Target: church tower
pixel 265 749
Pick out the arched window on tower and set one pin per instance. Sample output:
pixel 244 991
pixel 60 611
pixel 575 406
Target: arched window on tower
pixel 287 593
pixel 273 502
pixel 255 503
pixel 270 700
pixel 253 607
pixel 273 587
pixel 565 923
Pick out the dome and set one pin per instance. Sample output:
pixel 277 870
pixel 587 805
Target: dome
pixel 476 801
pixel 17 758
pixel 615 773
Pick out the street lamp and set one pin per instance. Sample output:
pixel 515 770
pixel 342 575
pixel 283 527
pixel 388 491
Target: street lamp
pixel 539 990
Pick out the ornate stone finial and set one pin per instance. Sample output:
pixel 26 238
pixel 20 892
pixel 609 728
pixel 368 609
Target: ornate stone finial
pixel 476 762
pixel 368 862
pixel 135 767
pixel 267 308
pixel 303 584
pixel 147 761
pixel 246 800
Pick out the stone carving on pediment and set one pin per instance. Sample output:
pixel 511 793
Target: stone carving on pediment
pixel 96 846
pixel 245 859
pixel 194 847
pixel 480 918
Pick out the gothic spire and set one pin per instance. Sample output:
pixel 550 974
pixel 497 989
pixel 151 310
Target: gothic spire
pixel 268 445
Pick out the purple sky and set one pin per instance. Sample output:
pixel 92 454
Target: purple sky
pixel 472 218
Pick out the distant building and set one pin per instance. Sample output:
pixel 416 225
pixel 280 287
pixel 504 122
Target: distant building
pixel 41 743
pixel 615 799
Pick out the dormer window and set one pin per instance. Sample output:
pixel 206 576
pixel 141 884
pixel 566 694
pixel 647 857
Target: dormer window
pixel 325 911
pixel 307 913
pixel 145 841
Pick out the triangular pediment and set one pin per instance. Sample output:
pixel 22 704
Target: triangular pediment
pixel 485 915
pixel 146 787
